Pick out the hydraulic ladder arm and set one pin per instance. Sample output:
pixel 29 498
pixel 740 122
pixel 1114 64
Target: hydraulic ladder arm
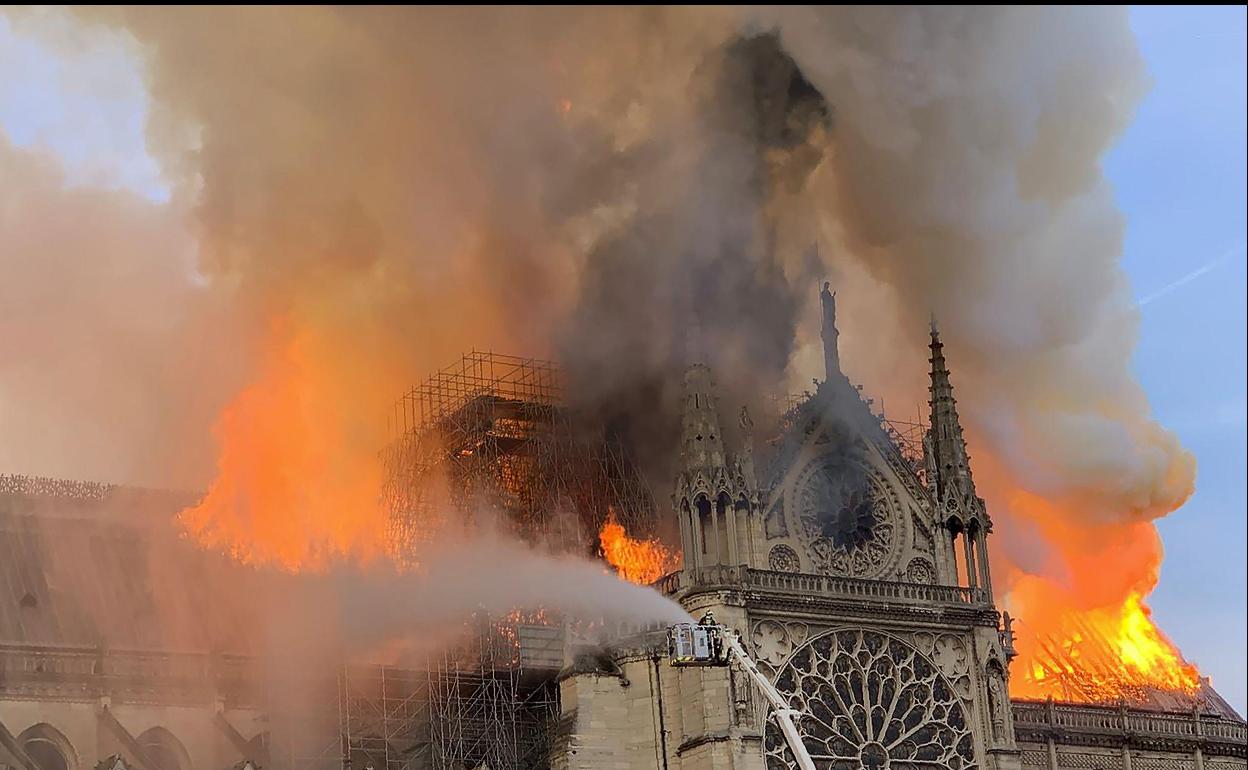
pixel 784 714
pixel 715 645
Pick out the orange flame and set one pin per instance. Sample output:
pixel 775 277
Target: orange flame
pixel 297 483
pixel 1084 630
pixel 637 561
pixel 1110 654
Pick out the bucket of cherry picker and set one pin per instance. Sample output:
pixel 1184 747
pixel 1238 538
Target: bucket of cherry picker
pixel 697 644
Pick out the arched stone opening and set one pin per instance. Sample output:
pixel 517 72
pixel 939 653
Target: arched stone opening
pixel 48 747
pixel 164 750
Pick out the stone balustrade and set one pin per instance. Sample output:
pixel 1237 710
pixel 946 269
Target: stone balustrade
pixel 74 671
pixel 1048 717
pixel 821 585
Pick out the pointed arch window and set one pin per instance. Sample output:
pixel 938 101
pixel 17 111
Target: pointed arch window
pixel 165 750
pixel 48 747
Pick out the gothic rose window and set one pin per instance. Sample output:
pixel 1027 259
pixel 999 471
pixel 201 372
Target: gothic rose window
pixel 870 702
pixel 846 516
pixel 783 559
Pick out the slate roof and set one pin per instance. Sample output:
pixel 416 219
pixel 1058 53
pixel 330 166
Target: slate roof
pixel 85 565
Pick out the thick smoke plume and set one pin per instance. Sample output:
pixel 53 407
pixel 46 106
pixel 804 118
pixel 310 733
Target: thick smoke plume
pixel 376 190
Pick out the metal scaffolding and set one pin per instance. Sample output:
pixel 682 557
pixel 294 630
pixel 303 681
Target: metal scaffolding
pixel 491 433
pixel 495 698
pixel 386 717
pixel 489 701
pixel 908 438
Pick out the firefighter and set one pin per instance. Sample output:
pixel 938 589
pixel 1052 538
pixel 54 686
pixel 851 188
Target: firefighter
pixel 714 635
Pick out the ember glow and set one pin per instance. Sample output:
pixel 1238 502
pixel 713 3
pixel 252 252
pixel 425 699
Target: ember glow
pixel 637 561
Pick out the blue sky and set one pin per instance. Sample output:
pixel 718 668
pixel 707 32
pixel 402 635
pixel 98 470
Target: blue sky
pixel 1179 176
pixel 85 102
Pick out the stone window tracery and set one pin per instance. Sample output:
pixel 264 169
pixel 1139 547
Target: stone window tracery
pixel 920 570
pixel 849 523
pixel 870 702
pixel 783 559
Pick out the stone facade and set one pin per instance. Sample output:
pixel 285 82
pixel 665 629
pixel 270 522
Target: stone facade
pixel 859 581
pixel 92 664
pixel 67 711
pixel 1058 736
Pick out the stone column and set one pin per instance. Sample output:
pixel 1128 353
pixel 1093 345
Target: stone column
pixel 943 553
pixel 733 547
pixel 953 557
pixel 1200 732
pixel 969 550
pixel 755 528
pixel 981 541
pixel 715 559
pixel 686 534
pixel 696 514
pixel 1052 726
pixel 748 544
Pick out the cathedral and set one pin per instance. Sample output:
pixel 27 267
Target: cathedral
pixel 858 580
pixel 861 586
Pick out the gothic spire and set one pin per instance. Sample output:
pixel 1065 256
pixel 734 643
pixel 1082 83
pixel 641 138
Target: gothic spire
pixel 702 445
pixel 831 356
pixel 947 445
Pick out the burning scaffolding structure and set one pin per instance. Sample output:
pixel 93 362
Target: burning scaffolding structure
pixel 492 433
pixel 487 436
pixel 490 436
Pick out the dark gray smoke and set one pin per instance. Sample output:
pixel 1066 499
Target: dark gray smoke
pixel 694 276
